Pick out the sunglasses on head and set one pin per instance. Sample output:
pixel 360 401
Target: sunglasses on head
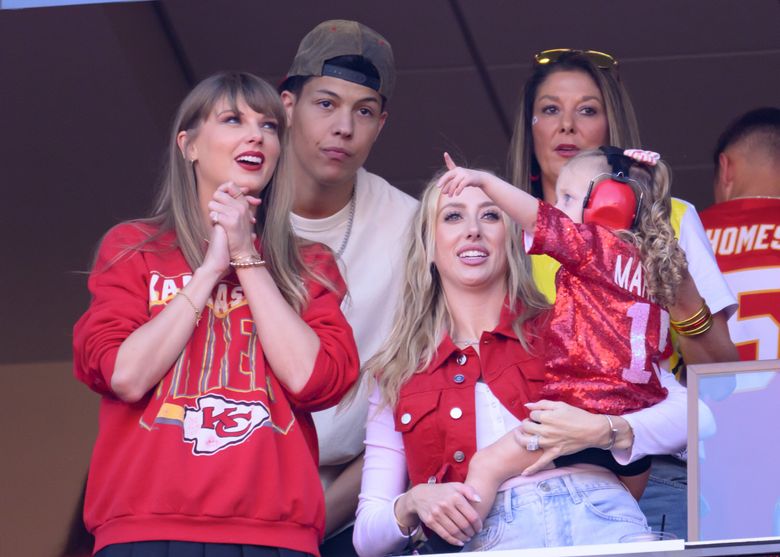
pixel 601 60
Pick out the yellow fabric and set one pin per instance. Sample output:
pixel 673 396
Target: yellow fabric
pixel 171 412
pixel 678 210
pixel 544 268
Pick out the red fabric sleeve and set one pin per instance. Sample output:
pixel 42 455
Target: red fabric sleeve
pixel 337 365
pixel 120 304
pixel 559 237
pixel 583 249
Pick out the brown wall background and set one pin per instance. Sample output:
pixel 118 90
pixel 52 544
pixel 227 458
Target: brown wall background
pixel 50 423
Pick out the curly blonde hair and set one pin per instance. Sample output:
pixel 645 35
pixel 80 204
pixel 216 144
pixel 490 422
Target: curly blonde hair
pixel 663 261
pixel 423 316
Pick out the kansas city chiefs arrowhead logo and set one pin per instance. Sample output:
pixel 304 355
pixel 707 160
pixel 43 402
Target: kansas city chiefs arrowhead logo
pixel 217 423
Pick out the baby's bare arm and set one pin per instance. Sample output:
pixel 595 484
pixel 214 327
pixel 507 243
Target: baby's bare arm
pixel 493 465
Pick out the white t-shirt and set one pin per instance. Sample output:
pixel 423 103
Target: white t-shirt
pixel 701 260
pixel 701 264
pixel 373 266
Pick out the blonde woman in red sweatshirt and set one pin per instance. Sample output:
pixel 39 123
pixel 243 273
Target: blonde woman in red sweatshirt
pixel 211 334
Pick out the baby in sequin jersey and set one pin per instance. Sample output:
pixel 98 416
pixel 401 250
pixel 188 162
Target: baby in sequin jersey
pixel 608 328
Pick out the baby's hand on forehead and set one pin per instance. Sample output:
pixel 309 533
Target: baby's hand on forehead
pixel 449 162
pixel 457 178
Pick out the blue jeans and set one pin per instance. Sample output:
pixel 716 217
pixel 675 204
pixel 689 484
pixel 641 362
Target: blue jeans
pixel 573 509
pixel 667 494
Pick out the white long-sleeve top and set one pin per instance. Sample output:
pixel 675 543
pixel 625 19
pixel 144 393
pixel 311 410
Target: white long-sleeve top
pixel 660 429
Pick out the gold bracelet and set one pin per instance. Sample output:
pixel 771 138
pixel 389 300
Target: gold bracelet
pixel 703 328
pixel 195 309
pixel 699 323
pixel 693 318
pixel 251 260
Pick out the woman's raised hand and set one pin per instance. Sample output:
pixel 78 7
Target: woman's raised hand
pixel 444 508
pixel 234 211
pixel 457 178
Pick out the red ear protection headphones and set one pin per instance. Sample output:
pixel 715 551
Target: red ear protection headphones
pixel 613 200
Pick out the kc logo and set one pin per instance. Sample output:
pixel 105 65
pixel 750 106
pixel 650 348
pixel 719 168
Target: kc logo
pixel 217 423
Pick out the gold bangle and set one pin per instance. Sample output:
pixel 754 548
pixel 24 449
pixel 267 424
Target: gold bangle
pixel 251 260
pixel 699 323
pixel 701 329
pixel 693 318
pixel 194 308
pixel 693 326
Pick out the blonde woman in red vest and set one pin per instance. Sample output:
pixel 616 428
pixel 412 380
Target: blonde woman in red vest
pixel 461 364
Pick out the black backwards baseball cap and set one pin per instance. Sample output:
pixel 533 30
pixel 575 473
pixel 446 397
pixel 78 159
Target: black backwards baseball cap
pixel 340 37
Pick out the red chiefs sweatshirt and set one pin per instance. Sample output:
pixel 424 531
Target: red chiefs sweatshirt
pixel 219 451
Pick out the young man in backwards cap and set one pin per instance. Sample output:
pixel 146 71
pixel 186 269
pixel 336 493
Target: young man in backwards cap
pixel 335 94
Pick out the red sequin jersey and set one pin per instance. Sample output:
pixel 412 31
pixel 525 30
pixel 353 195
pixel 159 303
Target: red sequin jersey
pixel 605 337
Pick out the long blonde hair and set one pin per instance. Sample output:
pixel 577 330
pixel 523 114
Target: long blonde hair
pixel 177 207
pixel 663 260
pixel 422 315
pixel 623 128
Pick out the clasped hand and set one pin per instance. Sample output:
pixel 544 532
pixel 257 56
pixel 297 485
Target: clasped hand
pixel 446 509
pixel 232 215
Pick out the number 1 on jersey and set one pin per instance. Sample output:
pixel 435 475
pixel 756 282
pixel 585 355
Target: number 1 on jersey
pixel 639 312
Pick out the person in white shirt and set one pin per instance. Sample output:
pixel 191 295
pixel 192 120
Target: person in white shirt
pixel 335 94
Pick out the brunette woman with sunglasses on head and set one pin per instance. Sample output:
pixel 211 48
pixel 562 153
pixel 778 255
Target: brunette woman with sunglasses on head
pixel 211 334
pixel 574 101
